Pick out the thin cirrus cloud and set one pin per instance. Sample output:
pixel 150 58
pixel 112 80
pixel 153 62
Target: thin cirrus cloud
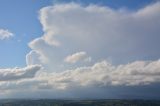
pixel 5 34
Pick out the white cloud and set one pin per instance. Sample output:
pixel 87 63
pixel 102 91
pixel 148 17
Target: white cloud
pixel 100 75
pixel 5 34
pixel 103 74
pixel 35 57
pixel 103 32
pixel 79 56
pixel 18 73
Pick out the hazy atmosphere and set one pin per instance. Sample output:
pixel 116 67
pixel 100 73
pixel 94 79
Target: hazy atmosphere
pixel 78 49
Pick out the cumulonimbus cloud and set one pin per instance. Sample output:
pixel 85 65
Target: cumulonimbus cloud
pixel 103 32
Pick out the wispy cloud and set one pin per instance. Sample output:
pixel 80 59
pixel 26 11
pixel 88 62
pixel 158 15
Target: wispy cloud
pixel 5 34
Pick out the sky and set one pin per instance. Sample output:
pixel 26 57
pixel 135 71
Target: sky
pixel 78 49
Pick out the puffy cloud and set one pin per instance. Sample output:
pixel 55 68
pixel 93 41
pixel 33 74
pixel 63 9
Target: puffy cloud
pixel 79 56
pixel 18 73
pixel 5 34
pixel 100 76
pixel 121 35
pixel 35 57
pixel 105 74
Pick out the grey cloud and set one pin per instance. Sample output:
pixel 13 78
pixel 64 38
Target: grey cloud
pixel 106 74
pixel 18 73
pixel 101 74
pixel 96 79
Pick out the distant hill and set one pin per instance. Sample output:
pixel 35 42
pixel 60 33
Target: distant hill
pixel 50 102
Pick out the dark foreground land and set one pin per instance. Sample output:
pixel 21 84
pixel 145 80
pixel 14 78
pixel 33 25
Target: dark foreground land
pixel 79 103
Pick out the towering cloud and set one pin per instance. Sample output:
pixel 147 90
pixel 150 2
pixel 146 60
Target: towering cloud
pixel 121 35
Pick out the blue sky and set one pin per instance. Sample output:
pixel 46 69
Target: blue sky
pixel 21 18
pixel 79 48
pixel 134 4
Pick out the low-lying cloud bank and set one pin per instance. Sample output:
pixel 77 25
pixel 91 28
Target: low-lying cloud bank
pixel 101 75
pixel 18 73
